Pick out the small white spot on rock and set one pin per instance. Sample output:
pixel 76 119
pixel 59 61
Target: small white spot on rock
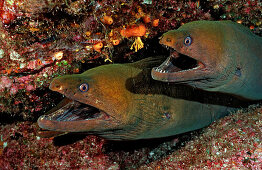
pixel 5 144
pixel 1 53
pixel 151 154
pixel 15 56
pixel 22 65
pixel 45 75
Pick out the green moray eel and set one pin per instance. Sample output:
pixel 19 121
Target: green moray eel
pixel 123 102
pixel 220 56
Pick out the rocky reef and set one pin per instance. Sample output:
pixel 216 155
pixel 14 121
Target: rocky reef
pixel 43 39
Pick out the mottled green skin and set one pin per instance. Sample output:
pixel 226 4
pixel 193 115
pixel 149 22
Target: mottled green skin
pixel 138 106
pixel 230 53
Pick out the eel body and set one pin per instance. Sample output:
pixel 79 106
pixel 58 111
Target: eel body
pixel 220 56
pixel 123 102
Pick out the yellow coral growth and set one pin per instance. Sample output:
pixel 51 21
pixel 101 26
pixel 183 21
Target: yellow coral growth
pixel 138 44
pixel 108 59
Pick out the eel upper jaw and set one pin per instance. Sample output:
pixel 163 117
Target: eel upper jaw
pixel 73 117
pixel 178 68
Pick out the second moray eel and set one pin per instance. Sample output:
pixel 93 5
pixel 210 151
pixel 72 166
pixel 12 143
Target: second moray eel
pixel 123 102
pixel 220 56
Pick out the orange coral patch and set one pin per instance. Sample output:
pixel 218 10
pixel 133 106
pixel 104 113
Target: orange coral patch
pixel 116 42
pixel 39 62
pixel 97 47
pixel 146 19
pixel 107 20
pixel 155 22
pixel 134 31
pixel 87 33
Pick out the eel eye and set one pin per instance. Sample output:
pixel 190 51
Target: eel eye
pixel 83 87
pixel 188 41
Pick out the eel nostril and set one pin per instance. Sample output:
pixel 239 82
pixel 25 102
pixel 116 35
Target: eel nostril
pixel 58 87
pixel 168 40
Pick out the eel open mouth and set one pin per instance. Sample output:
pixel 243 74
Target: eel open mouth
pixel 176 65
pixel 73 113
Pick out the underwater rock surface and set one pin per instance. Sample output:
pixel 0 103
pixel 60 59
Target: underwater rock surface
pixel 43 39
pixel 232 142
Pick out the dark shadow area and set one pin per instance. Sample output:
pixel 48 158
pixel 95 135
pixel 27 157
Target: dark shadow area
pixel 7 118
pixel 130 145
pixel 144 84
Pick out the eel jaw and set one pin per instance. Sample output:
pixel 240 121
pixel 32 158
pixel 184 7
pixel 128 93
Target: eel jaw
pixel 74 117
pixel 178 68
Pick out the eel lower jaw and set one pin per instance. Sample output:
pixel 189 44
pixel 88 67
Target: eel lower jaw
pixel 73 117
pixel 178 67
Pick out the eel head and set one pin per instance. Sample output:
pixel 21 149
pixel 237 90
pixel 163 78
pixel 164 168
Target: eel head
pixel 195 54
pixel 98 104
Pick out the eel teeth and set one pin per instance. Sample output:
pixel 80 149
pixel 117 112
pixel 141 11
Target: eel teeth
pixel 160 70
pixel 195 68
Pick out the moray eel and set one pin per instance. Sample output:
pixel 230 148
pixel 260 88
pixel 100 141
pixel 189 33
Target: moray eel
pixel 123 102
pixel 220 56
